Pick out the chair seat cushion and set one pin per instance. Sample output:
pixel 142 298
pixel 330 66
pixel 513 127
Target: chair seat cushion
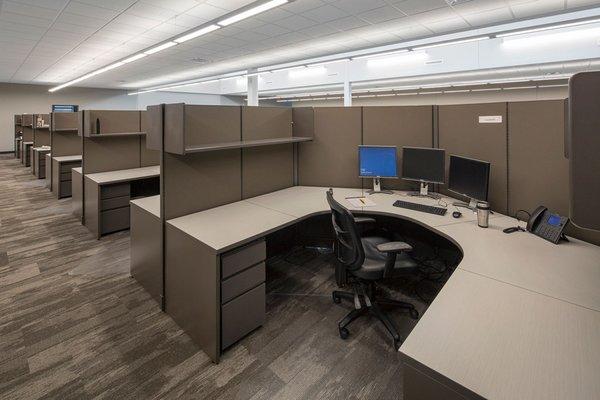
pixel 374 264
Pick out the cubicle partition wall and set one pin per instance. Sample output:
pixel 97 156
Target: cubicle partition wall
pixel 331 159
pixel 213 156
pixel 478 131
pixel 397 126
pixel 41 144
pixel 18 134
pixel 584 146
pixel 41 130
pixel 66 151
pixel 27 126
pixel 113 141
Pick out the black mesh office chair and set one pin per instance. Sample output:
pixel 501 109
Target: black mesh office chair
pixel 368 260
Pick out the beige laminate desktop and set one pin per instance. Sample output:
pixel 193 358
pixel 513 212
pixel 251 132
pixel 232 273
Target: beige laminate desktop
pixel 519 316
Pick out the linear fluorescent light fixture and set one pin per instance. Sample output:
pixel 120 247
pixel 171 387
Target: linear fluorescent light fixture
pixel 198 33
pixel 160 47
pixel 460 41
pixel 251 12
pixel 134 58
pixel 547 28
pixel 323 63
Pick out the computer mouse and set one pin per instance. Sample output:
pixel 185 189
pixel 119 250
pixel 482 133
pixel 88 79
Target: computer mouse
pixel 457 214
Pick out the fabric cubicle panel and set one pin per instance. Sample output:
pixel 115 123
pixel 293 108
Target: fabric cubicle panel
pixel 398 126
pixel 270 168
pixel 478 131
pixel 148 157
pixel 110 153
pixel 198 181
pixel 538 169
pixel 110 121
pixel 65 141
pixel 331 159
pixel 584 143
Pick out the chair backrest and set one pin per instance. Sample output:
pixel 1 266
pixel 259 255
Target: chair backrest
pixel 350 250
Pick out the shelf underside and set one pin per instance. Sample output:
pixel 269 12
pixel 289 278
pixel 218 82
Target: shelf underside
pixel 246 144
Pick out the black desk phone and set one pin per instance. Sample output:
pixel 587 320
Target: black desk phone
pixel 547 225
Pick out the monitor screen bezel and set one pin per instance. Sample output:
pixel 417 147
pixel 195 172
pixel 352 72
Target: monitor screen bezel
pixel 423 148
pixel 378 177
pixel 487 190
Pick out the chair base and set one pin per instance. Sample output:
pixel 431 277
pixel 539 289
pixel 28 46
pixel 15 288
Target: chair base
pixel 370 304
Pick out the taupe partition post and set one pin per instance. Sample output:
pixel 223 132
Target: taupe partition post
pixel 397 126
pixel 269 168
pixel 331 159
pixel 478 131
pixel 584 151
pixel 41 130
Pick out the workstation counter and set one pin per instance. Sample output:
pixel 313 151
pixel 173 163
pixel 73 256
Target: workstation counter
pixel 502 312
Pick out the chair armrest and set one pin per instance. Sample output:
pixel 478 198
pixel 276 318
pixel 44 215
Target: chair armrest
pixel 394 247
pixel 364 220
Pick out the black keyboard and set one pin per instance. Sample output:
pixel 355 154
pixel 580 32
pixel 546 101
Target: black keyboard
pixel 420 207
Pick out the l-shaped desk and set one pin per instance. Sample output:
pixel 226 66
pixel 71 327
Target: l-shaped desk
pixel 519 317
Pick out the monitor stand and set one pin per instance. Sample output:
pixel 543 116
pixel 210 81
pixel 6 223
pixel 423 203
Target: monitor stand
pixel 377 187
pixel 471 205
pixel 424 192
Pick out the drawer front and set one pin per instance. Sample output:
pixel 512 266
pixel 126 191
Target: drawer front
pixel 65 189
pixel 115 202
pixel 67 166
pixel 114 220
pixel 242 315
pixel 116 190
pixel 240 259
pixel 65 176
pixel 242 282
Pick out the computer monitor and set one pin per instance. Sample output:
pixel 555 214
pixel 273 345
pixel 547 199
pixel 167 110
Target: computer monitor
pixel 424 165
pixel 470 178
pixel 378 162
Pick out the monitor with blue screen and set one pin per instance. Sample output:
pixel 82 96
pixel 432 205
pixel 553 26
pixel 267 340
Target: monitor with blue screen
pixel 378 162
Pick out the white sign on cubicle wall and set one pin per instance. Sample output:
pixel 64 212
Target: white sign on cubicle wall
pixel 490 119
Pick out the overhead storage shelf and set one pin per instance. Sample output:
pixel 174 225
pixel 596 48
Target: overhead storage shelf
pixel 246 144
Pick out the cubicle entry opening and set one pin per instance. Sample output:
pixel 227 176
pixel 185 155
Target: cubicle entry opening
pixel 254 275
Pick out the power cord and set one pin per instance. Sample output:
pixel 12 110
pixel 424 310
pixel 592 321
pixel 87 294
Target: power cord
pixel 518 228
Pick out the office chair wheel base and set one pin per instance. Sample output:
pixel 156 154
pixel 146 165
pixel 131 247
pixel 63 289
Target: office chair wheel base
pixel 336 298
pixel 414 314
pixel 344 333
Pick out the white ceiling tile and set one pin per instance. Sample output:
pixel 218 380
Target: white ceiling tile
pixel 381 14
pixel 325 14
pixel 411 7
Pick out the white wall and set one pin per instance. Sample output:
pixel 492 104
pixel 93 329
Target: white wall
pixel 555 93
pixel 30 99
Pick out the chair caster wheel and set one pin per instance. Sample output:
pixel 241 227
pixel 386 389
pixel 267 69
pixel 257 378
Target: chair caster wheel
pixel 397 344
pixel 414 314
pixel 344 333
pixel 336 299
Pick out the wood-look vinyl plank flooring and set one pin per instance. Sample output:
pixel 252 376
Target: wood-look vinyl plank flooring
pixel 75 325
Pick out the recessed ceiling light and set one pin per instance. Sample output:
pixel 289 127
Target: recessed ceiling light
pixel 134 58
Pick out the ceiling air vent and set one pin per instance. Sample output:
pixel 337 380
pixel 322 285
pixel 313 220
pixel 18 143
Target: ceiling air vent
pixel 200 60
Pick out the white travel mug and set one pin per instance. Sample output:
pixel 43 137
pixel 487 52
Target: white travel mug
pixel 483 214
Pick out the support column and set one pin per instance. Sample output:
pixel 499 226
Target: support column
pixel 252 90
pixel 347 93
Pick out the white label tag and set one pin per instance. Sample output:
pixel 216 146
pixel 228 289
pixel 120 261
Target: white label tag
pixel 490 119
